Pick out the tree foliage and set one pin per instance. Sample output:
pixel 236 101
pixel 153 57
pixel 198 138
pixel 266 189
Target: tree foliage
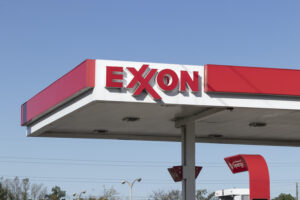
pixel 3 192
pixel 56 193
pixel 203 195
pixel 284 196
pixel 162 195
pixel 38 192
pixel 176 195
pixel 25 185
pixel 21 189
pixel 109 194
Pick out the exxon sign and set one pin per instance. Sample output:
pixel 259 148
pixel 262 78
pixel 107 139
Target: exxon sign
pixel 145 78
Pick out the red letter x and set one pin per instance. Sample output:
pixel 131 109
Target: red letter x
pixel 143 81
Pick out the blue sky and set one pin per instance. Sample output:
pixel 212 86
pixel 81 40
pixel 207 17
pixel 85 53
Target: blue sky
pixel 42 40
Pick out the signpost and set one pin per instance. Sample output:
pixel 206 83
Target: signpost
pixel 177 171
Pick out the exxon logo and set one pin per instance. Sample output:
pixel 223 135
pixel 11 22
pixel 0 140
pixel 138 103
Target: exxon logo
pixel 166 79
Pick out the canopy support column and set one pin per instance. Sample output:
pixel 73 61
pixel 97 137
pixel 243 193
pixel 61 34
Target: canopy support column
pixel 188 145
pixel 188 161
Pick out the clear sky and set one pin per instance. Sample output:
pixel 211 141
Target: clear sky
pixel 42 40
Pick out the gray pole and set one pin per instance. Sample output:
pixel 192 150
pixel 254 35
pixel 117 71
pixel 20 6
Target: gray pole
pixel 131 191
pixel 297 191
pixel 188 145
pixel 83 192
pixel 188 161
pixel 131 185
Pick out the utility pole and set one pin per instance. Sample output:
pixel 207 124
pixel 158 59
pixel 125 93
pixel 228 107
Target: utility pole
pixel 297 191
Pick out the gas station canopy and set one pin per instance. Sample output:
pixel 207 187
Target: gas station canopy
pixel 150 101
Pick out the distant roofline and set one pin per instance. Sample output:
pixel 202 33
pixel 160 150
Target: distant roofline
pixel 232 191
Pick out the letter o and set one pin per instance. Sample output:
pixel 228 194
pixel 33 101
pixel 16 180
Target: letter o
pixel 169 74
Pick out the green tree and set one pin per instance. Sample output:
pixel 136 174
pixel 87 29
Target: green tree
pixel 162 195
pixel 56 194
pixel 3 192
pixel 25 187
pixel 14 188
pixel 109 194
pixel 21 189
pixel 176 195
pixel 202 195
pixel 284 196
pixel 38 192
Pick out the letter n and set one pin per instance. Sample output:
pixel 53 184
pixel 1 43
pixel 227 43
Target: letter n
pixel 185 80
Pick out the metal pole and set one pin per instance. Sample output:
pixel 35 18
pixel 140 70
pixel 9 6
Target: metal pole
pixel 188 161
pixel 131 191
pixel 297 191
pixel 131 185
pixel 79 196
